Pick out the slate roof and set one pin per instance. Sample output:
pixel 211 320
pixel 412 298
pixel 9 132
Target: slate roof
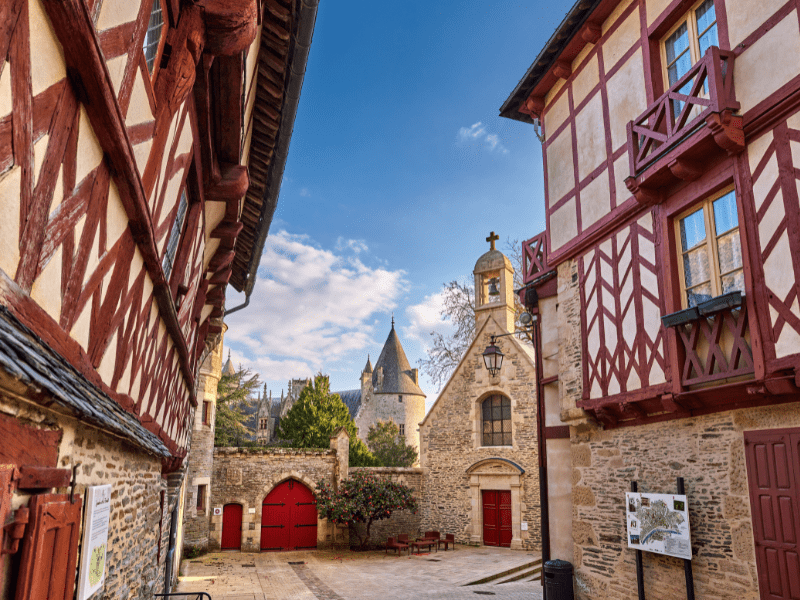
pixel 275 409
pixel 25 357
pixel 352 400
pixel 368 368
pixel 396 370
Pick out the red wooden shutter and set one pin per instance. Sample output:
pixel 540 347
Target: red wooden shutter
pixel 490 537
pixel 50 549
pixel 773 470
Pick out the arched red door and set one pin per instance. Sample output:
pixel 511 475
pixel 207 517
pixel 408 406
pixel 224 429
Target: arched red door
pixel 289 518
pixel 231 527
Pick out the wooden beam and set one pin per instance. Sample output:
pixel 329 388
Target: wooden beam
pixel 89 76
pixel 562 69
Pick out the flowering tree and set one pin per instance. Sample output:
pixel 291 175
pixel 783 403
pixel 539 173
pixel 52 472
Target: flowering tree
pixel 363 498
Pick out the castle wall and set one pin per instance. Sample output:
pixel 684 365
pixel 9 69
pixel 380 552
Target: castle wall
pixel 246 476
pixel 402 521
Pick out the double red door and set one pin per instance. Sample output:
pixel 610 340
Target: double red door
pixel 497 518
pixel 289 518
pixel 231 527
pixel 773 471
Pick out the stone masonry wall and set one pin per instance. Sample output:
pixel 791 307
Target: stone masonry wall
pixel 709 453
pixel 451 442
pixel 135 569
pixel 401 521
pixel 246 475
pixel 201 453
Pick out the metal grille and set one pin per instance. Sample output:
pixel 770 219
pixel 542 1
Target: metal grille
pixel 174 236
pixel 153 35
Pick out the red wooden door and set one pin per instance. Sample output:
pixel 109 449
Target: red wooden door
pixel 289 518
pixel 231 526
pixel 773 471
pixel 497 518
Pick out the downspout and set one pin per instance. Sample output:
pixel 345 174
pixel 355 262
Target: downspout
pixel 544 502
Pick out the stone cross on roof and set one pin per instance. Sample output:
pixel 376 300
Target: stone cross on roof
pixel 493 237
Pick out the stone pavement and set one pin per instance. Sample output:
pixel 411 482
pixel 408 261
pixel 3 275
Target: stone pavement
pixel 334 575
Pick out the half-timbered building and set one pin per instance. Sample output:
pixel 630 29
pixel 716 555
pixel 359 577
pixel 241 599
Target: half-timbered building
pixel 142 145
pixel 671 143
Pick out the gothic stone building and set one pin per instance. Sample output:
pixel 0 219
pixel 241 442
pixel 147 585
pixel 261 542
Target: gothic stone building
pixel 480 439
pixel 142 145
pixel 671 268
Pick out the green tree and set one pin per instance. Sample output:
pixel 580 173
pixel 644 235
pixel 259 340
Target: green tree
pixel 233 393
pixel 314 418
pixel 363 498
pixel 389 447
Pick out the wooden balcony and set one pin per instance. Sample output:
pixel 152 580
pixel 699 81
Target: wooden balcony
pixel 692 123
pixel 534 258
pixel 714 340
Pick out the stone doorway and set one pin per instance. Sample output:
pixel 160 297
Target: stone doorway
pixel 497 518
pixel 497 475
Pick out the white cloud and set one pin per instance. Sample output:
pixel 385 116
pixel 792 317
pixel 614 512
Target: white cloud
pixel 310 307
pixel 425 318
pixel 356 246
pixel 477 133
pixel 305 193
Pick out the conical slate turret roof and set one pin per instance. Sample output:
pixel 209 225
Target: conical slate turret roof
pixel 368 368
pixel 397 374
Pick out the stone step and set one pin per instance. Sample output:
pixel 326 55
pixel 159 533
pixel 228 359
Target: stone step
pixel 534 574
pixel 524 567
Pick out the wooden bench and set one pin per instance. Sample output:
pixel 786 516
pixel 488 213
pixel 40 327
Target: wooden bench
pixel 391 544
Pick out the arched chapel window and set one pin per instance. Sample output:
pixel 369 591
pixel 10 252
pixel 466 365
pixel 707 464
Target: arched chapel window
pixel 496 412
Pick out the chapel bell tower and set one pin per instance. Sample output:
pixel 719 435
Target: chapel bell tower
pixel 494 287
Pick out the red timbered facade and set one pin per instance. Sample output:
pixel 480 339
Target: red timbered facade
pixel 671 146
pixel 142 145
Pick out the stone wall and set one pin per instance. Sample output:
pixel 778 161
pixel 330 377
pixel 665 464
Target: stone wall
pixel 708 452
pixel 401 521
pixel 135 568
pixel 451 446
pixel 201 454
pixel 246 475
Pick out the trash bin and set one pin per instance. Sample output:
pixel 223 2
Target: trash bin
pixel 558 580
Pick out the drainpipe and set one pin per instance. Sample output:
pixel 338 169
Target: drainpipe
pixel 544 510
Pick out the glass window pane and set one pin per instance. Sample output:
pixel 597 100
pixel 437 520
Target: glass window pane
pixel 506 439
pixel 730 251
pixel 495 400
pixel 733 282
pixel 497 413
pixel 725 216
pixel 153 34
pixel 506 412
pixel 693 230
pixel 677 43
pixel 487 427
pixel 497 426
pixel 506 425
pixel 706 15
pixel 695 267
pixel 708 39
pixel 699 294
pixel 487 439
pixel 487 410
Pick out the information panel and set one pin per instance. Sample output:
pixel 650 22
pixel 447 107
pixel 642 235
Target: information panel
pixel 658 523
pixel 95 541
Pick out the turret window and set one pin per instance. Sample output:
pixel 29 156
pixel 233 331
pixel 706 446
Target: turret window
pixel 402 429
pixel 496 411
pixel 400 398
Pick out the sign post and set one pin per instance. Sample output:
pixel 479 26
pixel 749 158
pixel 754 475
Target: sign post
pixel 94 545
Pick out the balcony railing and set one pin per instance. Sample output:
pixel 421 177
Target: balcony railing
pixel 534 257
pixel 715 340
pixel 703 98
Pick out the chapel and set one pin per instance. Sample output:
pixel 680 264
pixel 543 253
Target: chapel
pixel 479 443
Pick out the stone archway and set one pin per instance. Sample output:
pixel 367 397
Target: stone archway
pixel 495 474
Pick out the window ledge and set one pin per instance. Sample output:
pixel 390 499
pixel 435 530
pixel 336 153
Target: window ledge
pixel 704 309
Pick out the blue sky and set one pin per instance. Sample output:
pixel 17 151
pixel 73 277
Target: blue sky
pixel 398 169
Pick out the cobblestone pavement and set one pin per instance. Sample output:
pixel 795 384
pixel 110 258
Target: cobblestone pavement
pixel 335 575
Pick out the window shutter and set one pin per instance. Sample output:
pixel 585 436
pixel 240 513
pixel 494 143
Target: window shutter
pixel 50 548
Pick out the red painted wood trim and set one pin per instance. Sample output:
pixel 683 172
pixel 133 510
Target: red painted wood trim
pixel 559 432
pixel 36 477
pixel 75 30
pixel 27 445
pixel 9 14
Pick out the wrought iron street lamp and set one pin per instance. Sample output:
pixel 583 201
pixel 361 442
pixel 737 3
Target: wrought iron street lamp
pixel 492 357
